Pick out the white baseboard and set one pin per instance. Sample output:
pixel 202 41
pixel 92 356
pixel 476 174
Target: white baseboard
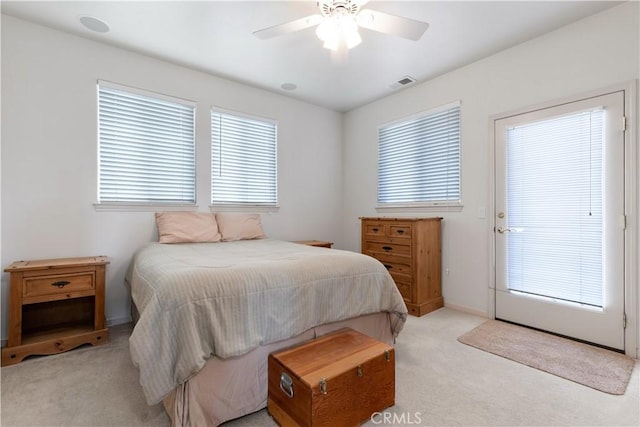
pixel 118 320
pixel 467 310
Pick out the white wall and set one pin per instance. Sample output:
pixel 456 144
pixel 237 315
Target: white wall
pixel 327 162
pixel 590 54
pixel 49 161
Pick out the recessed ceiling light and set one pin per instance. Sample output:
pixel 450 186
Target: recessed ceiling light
pixel 288 86
pixel 94 24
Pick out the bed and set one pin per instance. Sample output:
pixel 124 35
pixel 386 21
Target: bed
pixel 210 313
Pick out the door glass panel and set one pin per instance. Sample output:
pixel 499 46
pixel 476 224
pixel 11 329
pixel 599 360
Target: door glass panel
pixel 554 208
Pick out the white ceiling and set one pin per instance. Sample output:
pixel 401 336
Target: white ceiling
pixel 216 37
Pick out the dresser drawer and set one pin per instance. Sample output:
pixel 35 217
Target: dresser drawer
pixel 375 229
pixel 397 268
pixel 399 231
pixel 388 258
pixel 388 248
pixel 405 290
pixel 404 285
pixel 47 287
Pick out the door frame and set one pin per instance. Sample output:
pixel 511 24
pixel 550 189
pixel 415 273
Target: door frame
pixel 631 200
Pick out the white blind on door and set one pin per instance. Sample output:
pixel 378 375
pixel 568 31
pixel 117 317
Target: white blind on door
pixel 146 148
pixel 243 160
pixel 554 207
pixel 419 159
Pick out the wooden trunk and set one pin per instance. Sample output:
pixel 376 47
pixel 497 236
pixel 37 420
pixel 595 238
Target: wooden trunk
pixel 339 379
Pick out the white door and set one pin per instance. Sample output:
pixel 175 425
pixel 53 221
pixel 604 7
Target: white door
pixel 559 225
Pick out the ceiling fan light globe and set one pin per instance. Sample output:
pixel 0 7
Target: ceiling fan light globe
pixel 325 29
pixel 348 23
pixel 332 43
pixel 352 38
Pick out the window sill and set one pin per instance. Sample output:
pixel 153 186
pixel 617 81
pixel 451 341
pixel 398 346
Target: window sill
pixel 450 207
pixel 142 207
pixel 244 208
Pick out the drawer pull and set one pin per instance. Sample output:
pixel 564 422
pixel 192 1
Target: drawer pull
pixel 60 283
pixel 387 266
pixel 375 230
pixel 387 248
pixel 400 231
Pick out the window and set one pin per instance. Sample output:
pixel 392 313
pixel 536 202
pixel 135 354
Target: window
pixel 419 159
pixel 146 148
pixel 243 161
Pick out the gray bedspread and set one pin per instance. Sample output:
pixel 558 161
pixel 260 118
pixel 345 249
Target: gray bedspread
pixel 202 300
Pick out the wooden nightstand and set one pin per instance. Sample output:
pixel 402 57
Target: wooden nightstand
pixel 55 305
pixel 316 243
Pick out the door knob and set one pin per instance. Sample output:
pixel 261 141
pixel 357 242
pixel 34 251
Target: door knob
pixel 503 230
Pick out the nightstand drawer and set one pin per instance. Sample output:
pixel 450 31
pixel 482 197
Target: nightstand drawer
pixel 57 284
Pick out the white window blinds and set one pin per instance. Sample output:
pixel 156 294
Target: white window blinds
pixel 146 148
pixel 243 160
pixel 419 159
pixel 554 207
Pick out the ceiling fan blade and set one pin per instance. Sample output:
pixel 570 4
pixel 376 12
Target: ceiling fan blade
pixel 288 27
pixel 391 24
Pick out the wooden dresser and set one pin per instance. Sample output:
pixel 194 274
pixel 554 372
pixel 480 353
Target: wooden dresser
pixel 410 248
pixel 55 305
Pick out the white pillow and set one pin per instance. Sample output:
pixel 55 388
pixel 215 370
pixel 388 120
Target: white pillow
pixel 235 226
pixel 187 227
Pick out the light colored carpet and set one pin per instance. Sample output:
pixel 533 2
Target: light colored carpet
pixel 585 364
pixel 439 382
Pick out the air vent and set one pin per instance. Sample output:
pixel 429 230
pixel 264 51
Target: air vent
pixel 406 80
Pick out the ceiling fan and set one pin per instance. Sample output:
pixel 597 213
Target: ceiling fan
pixel 338 22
